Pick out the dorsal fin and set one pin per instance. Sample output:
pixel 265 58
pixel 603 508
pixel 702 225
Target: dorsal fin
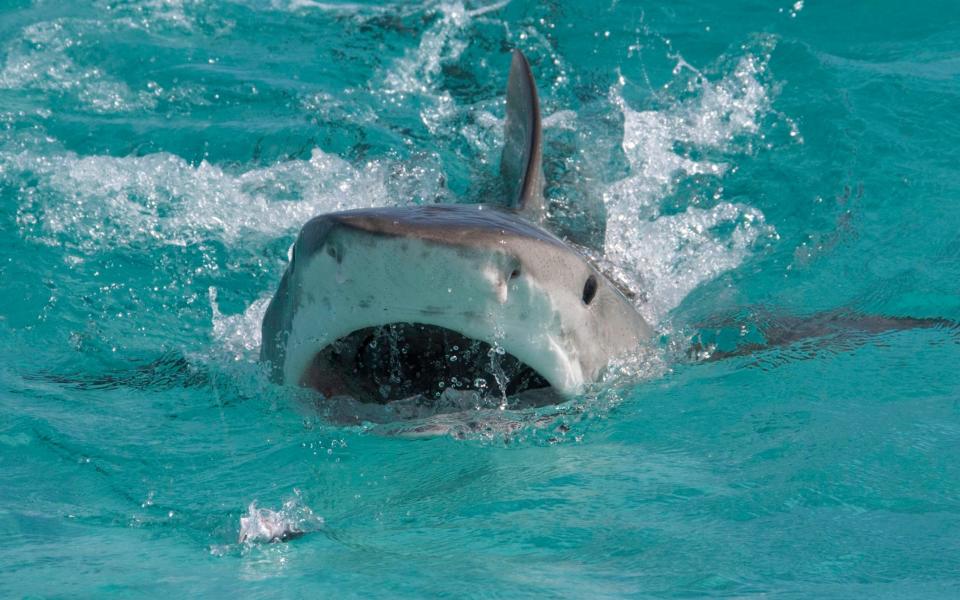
pixel 522 149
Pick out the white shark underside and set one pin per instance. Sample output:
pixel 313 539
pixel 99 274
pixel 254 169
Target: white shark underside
pixel 450 289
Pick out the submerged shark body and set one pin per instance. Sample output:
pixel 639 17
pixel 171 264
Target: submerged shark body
pixel 391 303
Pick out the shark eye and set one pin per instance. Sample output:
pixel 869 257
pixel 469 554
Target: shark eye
pixel 515 273
pixel 589 290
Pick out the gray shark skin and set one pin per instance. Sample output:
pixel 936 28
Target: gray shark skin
pixel 386 303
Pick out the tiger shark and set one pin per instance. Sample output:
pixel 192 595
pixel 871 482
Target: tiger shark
pixel 390 303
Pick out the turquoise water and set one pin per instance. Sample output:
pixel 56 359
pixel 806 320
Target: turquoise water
pixel 752 166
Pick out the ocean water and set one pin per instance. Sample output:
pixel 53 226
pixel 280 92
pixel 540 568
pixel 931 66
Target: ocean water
pixel 773 177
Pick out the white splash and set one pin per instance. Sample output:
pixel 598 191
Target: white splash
pixel 346 8
pixel 105 201
pixel 39 58
pixel 416 73
pixel 670 255
pixel 238 335
pixel 266 525
pixel 149 14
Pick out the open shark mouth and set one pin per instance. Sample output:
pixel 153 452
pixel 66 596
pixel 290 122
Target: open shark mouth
pixel 403 361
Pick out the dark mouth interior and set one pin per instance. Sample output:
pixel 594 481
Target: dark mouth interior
pixel 406 360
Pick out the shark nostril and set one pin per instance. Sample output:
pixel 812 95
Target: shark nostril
pixel 589 290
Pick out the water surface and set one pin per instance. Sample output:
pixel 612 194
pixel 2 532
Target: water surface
pixel 747 165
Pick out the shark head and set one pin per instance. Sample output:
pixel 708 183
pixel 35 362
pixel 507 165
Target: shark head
pixel 385 304
pixel 411 300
